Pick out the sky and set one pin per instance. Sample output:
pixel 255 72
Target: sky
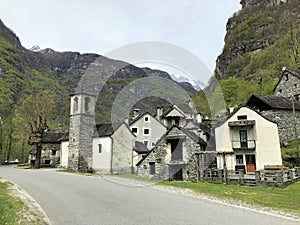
pixel 98 26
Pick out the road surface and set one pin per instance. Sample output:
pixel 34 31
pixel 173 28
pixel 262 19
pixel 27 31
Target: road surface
pixel 84 200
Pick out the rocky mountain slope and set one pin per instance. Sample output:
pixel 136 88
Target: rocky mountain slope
pixel 262 38
pixel 24 72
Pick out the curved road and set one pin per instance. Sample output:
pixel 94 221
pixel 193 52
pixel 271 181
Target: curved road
pixel 83 200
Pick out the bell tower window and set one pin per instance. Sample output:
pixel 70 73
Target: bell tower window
pixel 87 101
pixel 75 104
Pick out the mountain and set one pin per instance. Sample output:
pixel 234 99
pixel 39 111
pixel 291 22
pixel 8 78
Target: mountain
pixel 24 72
pixel 261 38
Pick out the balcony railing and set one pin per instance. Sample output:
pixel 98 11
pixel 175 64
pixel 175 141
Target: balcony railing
pixel 247 144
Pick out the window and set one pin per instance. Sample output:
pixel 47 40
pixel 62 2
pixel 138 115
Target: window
pixel 146 131
pixel 134 130
pixel 295 85
pixel 152 168
pixel 146 143
pixel 75 105
pixel 242 117
pixel 239 159
pixel 243 138
pixel 286 77
pixel 87 101
pixel 47 161
pixel 53 152
pixel 146 118
pixel 100 148
pixel 280 90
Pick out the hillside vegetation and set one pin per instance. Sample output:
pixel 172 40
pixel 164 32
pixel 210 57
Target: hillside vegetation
pixel 261 39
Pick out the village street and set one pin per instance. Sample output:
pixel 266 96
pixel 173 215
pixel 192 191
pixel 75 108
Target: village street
pixel 74 199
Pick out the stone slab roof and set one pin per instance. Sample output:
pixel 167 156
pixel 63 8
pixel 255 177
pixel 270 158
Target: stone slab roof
pixel 266 102
pixel 53 136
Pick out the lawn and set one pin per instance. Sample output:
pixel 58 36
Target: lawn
pixel 10 207
pixel 286 199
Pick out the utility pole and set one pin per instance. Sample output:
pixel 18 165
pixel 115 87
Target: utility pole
pixel 295 131
pixel 1 137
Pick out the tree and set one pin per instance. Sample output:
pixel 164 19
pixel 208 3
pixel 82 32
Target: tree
pixel 37 111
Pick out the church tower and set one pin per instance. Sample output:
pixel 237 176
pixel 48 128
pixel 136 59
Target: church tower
pixel 82 124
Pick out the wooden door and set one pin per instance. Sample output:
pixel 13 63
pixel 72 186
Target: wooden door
pixel 250 163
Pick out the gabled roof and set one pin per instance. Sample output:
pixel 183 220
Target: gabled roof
pixel 142 115
pixel 265 102
pixel 104 130
pixel 173 108
pixel 192 135
pixel 285 72
pixel 236 110
pixel 53 136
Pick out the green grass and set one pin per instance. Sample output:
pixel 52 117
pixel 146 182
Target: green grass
pixel 286 199
pixel 9 206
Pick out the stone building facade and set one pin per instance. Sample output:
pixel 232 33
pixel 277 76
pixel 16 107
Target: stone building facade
pixel 174 157
pixel 51 151
pixel 82 124
pixel 289 85
pixel 279 110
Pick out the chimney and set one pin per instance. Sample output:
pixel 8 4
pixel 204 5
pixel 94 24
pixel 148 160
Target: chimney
pixel 159 112
pixel 136 112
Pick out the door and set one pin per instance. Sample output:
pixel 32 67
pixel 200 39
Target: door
pixel 243 138
pixel 175 172
pixel 250 163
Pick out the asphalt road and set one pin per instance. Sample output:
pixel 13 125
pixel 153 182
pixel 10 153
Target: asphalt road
pixel 73 199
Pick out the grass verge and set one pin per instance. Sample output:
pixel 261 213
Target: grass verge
pixel 77 172
pixel 10 207
pixel 286 199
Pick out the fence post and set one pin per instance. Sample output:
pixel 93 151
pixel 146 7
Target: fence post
pixel 280 177
pixel 257 176
pixel 291 174
pixel 241 177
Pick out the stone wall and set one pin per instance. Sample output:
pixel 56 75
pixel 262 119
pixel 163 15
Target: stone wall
pixel 161 156
pixel 285 123
pixel 288 86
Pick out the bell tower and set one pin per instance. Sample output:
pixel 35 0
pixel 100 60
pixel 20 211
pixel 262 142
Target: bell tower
pixel 82 124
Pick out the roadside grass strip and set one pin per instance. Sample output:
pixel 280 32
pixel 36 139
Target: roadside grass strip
pixel 286 199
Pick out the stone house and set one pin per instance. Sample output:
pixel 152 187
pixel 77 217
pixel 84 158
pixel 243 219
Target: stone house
pixel 288 85
pixel 51 148
pixel 248 141
pixel 173 157
pixel 279 110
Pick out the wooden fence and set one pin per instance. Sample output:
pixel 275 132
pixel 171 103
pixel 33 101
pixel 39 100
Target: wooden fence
pixel 270 176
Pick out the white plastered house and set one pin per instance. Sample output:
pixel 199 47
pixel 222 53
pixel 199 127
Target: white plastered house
pixel 248 141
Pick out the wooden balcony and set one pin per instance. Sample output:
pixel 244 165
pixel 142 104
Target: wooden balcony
pixel 241 145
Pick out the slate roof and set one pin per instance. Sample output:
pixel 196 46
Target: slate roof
pixel 104 130
pixel 265 102
pixel 53 136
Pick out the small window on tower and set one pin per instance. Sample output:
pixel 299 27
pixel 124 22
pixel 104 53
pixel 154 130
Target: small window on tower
pixel 75 105
pixel 100 148
pixel 146 118
pixel 146 131
pixel 87 104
